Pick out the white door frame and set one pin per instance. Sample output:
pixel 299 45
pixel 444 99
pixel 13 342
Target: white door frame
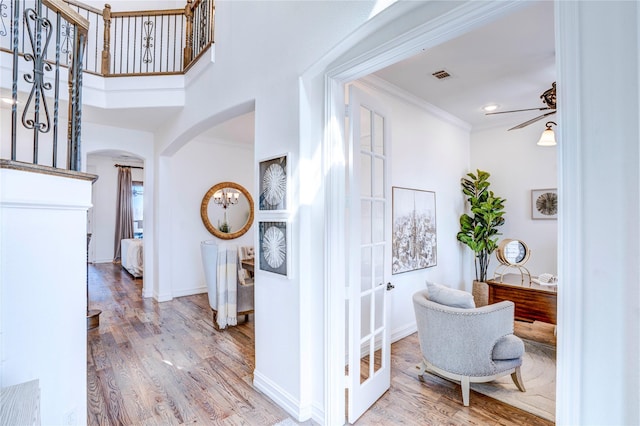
pixel 467 17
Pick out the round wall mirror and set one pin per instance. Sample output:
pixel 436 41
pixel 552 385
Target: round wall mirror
pixel 512 252
pixel 227 210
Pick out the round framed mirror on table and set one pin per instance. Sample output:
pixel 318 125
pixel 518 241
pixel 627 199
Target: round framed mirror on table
pixel 227 210
pixel 512 254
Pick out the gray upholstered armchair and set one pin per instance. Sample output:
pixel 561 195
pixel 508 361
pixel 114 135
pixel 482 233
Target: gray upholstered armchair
pixel 228 297
pixel 464 343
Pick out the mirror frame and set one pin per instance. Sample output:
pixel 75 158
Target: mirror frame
pixel 501 252
pixel 204 206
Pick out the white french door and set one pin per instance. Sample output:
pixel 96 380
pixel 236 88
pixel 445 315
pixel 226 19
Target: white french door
pixel 369 254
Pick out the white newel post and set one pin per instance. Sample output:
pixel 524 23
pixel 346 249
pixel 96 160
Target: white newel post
pixel 43 272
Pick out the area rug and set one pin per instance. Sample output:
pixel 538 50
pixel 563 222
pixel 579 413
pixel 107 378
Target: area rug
pixel 539 376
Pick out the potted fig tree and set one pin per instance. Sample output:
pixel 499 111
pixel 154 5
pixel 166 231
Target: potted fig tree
pixel 479 229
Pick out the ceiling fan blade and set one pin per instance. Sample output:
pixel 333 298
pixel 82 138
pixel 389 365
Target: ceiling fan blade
pixel 517 110
pixel 533 120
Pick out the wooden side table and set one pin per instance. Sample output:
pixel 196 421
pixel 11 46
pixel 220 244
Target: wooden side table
pixel 533 302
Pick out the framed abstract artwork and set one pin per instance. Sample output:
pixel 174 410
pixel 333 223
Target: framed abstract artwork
pixel 544 203
pixel 274 247
pixel 274 185
pixel 414 242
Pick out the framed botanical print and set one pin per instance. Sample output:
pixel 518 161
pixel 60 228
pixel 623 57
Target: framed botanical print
pixel 274 185
pixel 544 203
pixel 273 240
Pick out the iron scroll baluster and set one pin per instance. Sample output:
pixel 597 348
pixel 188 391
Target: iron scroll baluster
pixel 3 14
pixel 37 94
pixel 147 58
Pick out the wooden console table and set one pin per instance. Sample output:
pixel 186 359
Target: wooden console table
pixel 533 302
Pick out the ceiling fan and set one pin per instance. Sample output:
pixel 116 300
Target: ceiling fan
pixel 548 98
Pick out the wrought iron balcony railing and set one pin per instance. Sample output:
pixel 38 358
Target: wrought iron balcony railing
pixel 40 21
pixel 128 43
pixel 45 36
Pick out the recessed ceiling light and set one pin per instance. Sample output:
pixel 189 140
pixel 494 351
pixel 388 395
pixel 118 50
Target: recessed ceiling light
pixel 490 107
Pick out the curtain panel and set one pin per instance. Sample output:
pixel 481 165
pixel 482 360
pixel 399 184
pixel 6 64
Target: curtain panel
pixel 124 210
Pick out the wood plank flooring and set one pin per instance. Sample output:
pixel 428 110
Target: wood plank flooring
pixel 164 364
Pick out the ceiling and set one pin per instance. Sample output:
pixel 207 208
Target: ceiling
pixel 509 62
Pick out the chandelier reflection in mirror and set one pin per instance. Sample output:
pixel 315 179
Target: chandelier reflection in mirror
pixel 224 198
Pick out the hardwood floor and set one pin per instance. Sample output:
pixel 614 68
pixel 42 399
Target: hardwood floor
pixel 164 364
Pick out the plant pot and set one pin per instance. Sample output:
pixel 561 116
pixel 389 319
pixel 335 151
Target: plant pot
pixel 480 293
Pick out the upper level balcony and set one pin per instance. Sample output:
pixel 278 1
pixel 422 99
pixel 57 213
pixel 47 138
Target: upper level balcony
pixel 127 63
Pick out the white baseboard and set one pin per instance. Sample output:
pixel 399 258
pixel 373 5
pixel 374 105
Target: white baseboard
pixel 404 331
pixel 190 291
pixel 317 414
pixel 165 297
pixel 281 397
pixel 102 261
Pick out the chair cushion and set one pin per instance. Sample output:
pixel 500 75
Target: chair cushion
pixel 508 347
pixel 450 296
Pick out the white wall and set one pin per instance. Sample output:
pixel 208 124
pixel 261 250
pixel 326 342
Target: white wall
pixel 126 5
pixel 599 302
pixel 517 165
pixel 252 68
pixel 196 167
pixel 43 276
pixel 104 199
pixel 429 151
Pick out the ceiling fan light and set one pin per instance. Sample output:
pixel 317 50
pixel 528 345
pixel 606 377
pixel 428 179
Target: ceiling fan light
pixel 548 138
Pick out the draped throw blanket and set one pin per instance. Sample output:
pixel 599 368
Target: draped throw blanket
pixel 124 210
pixel 227 288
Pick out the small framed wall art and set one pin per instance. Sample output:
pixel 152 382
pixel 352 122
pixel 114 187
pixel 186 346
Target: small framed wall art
pixel 544 203
pixel 274 247
pixel 274 185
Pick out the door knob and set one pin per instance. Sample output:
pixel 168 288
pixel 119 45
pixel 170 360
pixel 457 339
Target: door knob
pixel 390 286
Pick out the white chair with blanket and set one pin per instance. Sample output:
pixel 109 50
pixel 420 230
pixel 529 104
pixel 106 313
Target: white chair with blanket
pixel 464 343
pixel 227 297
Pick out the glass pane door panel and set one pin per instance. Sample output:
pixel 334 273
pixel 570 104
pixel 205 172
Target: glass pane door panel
pixel 379 307
pixel 365 175
pixel 378 264
pixel 365 317
pixel 378 134
pixel 378 177
pixel 366 268
pixel 377 357
pixel 365 221
pixel 377 221
pixel 347 336
pixel 365 128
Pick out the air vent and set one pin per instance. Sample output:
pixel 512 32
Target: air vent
pixel 440 75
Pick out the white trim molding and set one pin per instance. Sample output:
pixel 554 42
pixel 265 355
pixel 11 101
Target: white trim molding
pixel 361 57
pixel 281 397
